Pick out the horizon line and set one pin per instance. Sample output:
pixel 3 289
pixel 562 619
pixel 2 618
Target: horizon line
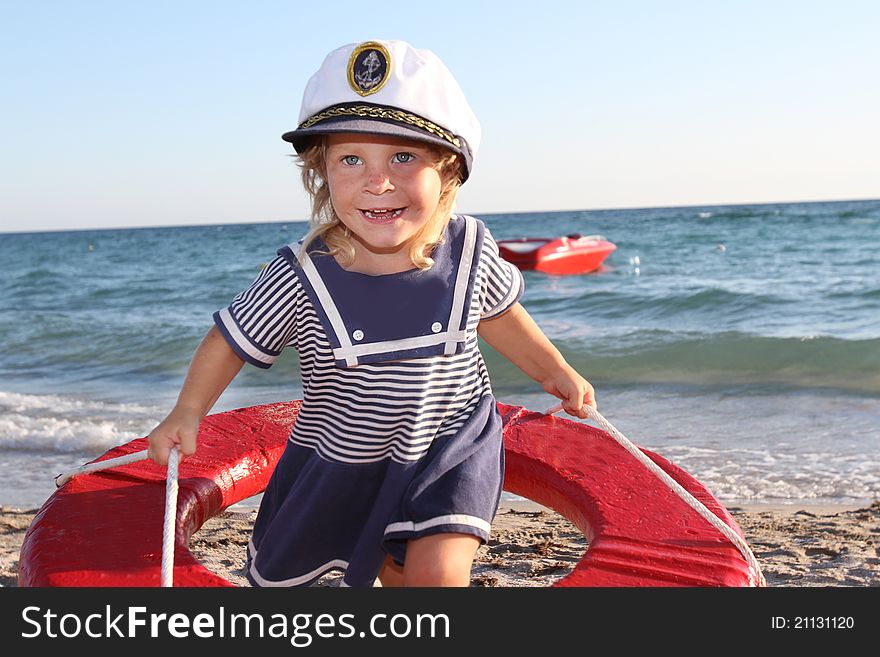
pixel 490 214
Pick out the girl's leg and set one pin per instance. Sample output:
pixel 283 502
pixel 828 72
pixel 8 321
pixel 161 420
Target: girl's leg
pixel 440 560
pixel 391 574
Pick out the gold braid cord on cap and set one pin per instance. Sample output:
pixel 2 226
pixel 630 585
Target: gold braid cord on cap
pixel 373 112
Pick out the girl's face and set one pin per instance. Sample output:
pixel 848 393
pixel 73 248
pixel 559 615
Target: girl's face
pixel 384 189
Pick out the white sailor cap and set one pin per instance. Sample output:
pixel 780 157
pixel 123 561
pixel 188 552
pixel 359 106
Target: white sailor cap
pixel 388 88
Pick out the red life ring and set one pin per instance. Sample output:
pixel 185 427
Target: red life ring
pixel 105 528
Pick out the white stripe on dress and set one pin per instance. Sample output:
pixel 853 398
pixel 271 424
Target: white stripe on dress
pixel 292 581
pixel 453 519
pixel 461 282
pixel 241 340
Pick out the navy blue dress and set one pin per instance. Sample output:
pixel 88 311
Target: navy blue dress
pixel 398 436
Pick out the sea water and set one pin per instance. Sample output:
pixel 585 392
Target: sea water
pixel 741 342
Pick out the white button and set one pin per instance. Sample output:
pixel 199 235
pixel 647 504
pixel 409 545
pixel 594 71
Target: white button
pixel 358 335
pixel 436 327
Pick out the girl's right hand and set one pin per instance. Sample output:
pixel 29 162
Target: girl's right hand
pixel 179 430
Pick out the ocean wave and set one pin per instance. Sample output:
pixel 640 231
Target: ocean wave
pixel 126 348
pixel 13 402
pixel 809 361
pixel 740 212
pixel 765 474
pixel 67 424
pixel 55 434
pixel 679 304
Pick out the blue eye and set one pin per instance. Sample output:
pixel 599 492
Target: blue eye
pixel 351 159
pixel 404 157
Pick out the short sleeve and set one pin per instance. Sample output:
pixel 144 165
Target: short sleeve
pixel 503 283
pixel 261 320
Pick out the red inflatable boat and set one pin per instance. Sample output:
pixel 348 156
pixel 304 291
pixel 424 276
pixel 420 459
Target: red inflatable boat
pixel 572 254
pixel 105 528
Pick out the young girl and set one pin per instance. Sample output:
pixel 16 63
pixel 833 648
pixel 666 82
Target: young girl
pixel 395 463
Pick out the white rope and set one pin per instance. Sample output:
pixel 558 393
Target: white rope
pixel 62 479
pixel 692 501
pixel 170 522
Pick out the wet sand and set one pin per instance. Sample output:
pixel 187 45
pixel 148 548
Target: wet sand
pixel 796 545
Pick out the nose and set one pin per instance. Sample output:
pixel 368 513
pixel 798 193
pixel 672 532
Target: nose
pixel 378 180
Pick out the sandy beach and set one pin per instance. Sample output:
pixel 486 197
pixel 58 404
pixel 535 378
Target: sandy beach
pixel 796 545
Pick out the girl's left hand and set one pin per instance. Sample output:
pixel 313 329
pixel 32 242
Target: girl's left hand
pixel 573 389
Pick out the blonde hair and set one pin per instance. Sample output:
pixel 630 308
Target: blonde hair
pixel 324 222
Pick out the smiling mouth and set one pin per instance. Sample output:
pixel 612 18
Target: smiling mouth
pixel 383 214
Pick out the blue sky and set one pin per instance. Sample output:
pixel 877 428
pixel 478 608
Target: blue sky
pixel 165 113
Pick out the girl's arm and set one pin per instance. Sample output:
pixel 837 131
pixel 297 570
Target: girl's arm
pixel 213 367
pixel 516 337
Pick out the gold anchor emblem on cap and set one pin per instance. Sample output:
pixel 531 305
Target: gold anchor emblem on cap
pixel 369 68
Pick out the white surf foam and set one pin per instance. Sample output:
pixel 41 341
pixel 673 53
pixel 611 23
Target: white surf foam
pixel 66 424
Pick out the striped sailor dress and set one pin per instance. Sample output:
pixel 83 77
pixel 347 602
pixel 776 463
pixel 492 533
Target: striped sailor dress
pixel 398 435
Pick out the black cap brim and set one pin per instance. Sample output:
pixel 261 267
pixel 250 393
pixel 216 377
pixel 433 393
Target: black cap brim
pixel 301 138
